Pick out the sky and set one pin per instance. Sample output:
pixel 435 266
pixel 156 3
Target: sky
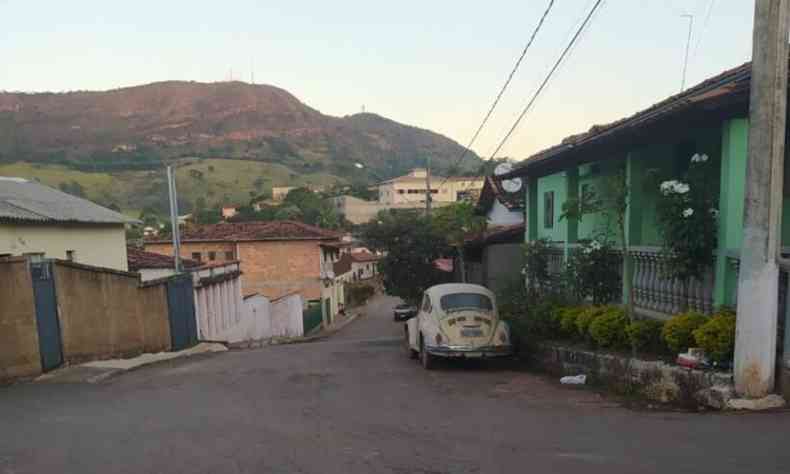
pixel 434 64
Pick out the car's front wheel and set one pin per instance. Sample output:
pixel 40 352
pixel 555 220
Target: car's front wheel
pixel 427 360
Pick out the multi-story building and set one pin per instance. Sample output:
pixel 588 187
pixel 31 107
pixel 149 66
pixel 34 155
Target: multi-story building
pixel 411 188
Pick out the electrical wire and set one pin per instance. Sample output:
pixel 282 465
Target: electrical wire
pixel 502 90
pixel 548 78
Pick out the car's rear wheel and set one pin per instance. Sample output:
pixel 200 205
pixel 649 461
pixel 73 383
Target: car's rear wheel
pixel 406 344
pixel 427 360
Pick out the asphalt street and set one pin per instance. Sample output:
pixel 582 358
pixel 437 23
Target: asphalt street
pixel 354 403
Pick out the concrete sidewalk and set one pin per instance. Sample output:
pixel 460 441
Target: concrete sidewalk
pixel 97 371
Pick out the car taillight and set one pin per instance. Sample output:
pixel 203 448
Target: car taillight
pixel 438 338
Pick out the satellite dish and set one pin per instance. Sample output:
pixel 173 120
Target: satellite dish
pixel 509 185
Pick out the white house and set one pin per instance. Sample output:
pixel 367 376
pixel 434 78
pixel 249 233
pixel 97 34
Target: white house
pixel 38 220
pixel 500 207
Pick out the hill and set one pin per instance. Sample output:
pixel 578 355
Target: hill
pixel 142 127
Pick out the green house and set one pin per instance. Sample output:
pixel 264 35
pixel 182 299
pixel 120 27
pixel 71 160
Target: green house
pixel 710 118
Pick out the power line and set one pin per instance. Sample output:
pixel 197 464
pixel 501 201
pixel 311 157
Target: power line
pixel 504 87
pixel 704 29
pixel 547 79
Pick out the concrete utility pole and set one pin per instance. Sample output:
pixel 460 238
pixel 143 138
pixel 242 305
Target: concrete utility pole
pixel 428 195
pixel 755 340
pixel 171 188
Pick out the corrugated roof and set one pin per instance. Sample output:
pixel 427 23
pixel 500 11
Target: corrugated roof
pixel 27 201
pixel 497 235
pixel 251 231
pixel 364 256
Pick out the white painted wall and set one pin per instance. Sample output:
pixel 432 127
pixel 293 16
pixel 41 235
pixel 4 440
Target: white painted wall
pixel 286 316
pixel 97 245
pixel 501 215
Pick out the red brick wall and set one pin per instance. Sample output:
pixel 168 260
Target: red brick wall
pixel 271 268
pixel 188 248
pixel 274 268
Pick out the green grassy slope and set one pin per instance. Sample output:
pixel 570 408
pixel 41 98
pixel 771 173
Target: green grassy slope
pixel 217 180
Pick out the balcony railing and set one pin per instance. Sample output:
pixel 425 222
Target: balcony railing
pixel 655 291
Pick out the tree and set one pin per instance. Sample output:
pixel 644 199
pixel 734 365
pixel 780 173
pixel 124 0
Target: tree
pixel 612 202
pixel 411 245
pixel 455 222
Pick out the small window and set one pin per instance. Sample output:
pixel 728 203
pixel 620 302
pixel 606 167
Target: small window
pixel 548 210
pixel 196 256
pixel 212 256
pixel 70 255
pixel 229 255
pixel 400 191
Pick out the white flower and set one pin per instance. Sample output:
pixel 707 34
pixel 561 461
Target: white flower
pixel 688 212
pixel 697 158
pixel 668 187
pixel 682 188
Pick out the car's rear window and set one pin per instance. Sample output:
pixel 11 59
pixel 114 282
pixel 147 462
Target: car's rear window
pixel 466 300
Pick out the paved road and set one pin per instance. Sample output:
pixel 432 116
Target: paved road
pixel 356 404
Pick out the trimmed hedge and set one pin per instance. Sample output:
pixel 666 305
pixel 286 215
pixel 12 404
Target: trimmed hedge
pixel 608 328
pixel 644 335
pixel 678 332
pixel 717 336
pixel 585 318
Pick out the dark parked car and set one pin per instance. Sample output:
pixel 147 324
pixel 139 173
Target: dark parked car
pixel 404 312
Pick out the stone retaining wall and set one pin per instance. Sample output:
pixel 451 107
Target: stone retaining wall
pixel 654 379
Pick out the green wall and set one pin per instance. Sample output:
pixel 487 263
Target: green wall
pixel 557 183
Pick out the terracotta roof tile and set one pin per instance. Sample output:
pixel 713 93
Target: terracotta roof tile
pixel 140 259
pixel 250 231
pixel 728 88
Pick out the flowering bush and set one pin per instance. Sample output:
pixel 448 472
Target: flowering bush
pixel 594 270
pixel 687 217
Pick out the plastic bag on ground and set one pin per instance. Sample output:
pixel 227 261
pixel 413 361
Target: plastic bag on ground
pixel 574 379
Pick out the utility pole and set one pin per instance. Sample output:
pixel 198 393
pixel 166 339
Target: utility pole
pixel 171 188
pixel 758 281
pixel 428 196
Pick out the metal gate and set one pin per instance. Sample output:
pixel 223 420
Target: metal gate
pixel 49 338
pixel 181 309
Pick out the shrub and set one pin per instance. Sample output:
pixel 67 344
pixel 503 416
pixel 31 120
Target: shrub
pixel 608 329
pixel 540 322
pixel 566 319
pixel 717 336
pixel 678 332
pixel 359 294
pixel 585 318
pixel 530 321
pixel 645 335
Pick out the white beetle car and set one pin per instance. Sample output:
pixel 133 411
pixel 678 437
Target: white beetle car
pixel 457 320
